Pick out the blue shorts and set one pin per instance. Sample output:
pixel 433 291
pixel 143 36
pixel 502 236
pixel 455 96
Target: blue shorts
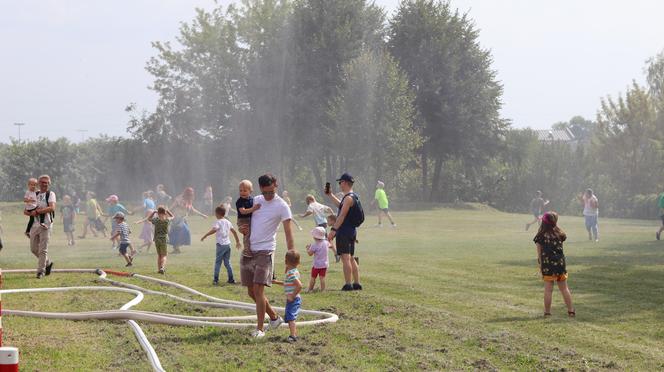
pixel 123 248
pixel 293 309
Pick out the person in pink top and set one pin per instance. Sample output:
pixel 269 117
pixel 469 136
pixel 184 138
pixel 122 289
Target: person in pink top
pixel 319 249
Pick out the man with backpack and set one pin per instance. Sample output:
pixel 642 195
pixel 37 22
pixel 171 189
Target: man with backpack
pixel 41 233
pixel 349 218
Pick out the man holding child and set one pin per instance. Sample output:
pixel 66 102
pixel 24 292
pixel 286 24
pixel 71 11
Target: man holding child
pixel 256 270
pixel 40 234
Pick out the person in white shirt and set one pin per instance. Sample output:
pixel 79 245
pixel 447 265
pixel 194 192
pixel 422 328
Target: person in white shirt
pixel 256 271
pixel 41 234
pixel 590 213
pixel 222 228
pixel 318 210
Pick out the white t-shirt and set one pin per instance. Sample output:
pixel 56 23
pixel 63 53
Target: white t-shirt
pixel 223 227
pixel 319 211
pixel 30 195
pixel 264 222
pixel 41 203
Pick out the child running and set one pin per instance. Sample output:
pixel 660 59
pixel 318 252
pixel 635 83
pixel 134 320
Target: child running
pixel 30 200
pixel 318 249
pixel 221 228
pixel 122 232
pixel 113 208
pixel 68 213
pixel 549 241
pixel 160 223
pixel 292 287
pixel 245 207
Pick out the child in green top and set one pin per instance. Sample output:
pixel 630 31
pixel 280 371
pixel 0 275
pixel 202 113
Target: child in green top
pixel 161 223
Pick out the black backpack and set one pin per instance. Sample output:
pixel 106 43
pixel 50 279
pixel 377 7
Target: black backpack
pixel 355 215
pixel 48 193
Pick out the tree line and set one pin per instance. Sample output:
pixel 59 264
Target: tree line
pixel 308 89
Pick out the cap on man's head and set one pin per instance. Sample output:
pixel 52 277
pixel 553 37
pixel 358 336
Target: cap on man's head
pixel 266 180
pixel 119 215
pixel 346 177
pixel 381 184
pixel 112 198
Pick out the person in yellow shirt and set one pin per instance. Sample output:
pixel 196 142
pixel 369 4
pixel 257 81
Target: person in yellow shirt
pixel 383 204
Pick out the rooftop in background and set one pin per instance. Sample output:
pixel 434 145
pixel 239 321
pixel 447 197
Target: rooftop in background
pixel 555 135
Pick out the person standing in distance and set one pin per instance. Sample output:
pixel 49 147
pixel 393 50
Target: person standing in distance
pixel 383 204
pixel 345 230
pixel 40 235
pixel 537 208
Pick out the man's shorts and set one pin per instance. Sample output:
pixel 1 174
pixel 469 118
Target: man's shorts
pixel 345 244
pixel 161 248
pixel 292 309
pixel 554 278
pixel 123 248
pixel 256 269
pixel 384 210
pixel 318 271
pixel 662 217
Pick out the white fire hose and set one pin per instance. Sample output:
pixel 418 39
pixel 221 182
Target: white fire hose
pixel 131 316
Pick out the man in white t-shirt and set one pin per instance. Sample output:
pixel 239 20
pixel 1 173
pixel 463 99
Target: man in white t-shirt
pixel 40 234
pixel 318 210
pixel 256 271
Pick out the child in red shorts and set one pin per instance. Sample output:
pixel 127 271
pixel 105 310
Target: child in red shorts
pixel 319 249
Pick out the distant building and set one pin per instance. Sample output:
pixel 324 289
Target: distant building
pixel 556 135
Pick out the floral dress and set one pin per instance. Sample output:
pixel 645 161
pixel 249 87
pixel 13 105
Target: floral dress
pixel 552 258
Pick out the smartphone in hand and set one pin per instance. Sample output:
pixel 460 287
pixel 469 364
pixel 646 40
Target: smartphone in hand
pixel 327 188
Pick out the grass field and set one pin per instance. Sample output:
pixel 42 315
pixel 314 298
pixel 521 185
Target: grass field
pixel 447 289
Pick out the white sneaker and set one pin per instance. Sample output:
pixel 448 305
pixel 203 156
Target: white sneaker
pixel 257 333
pixel 274 324
pixel 394 225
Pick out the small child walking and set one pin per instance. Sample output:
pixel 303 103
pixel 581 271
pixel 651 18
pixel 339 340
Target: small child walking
pixel 114 207
pixel 245 207
pixel 30 200
pixel 122 232
pixel 292 288
pixel 161 224
pixel 319 249
pixel 222 227
pixel 549 242
pixel 68 213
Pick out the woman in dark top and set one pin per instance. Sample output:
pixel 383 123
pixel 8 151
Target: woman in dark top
pixel 551 258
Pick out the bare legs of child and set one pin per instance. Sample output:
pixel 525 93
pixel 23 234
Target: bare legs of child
pixel 564 290
pixel 161 263
pixel 312 284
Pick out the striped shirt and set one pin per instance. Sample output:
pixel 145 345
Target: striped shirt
pixel 124 231
pixel 289 284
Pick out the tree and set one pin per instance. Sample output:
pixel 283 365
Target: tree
pixel 326 36
pixel 372 118
pixel 458 96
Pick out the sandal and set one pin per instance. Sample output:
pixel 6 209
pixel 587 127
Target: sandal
pixel 572 313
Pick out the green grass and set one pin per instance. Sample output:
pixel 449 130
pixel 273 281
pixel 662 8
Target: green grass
pixel 448 289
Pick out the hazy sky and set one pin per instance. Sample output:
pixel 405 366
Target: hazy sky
pixel 69 65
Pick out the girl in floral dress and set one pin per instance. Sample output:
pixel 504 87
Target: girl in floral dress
pixel 549 242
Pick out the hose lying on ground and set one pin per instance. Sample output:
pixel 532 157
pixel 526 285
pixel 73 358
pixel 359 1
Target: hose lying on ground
pixel 131 316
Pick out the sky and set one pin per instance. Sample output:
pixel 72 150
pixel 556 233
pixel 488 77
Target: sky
pixel 68 68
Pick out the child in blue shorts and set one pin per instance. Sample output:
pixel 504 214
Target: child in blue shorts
pixel 122 231
pixel 292 287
